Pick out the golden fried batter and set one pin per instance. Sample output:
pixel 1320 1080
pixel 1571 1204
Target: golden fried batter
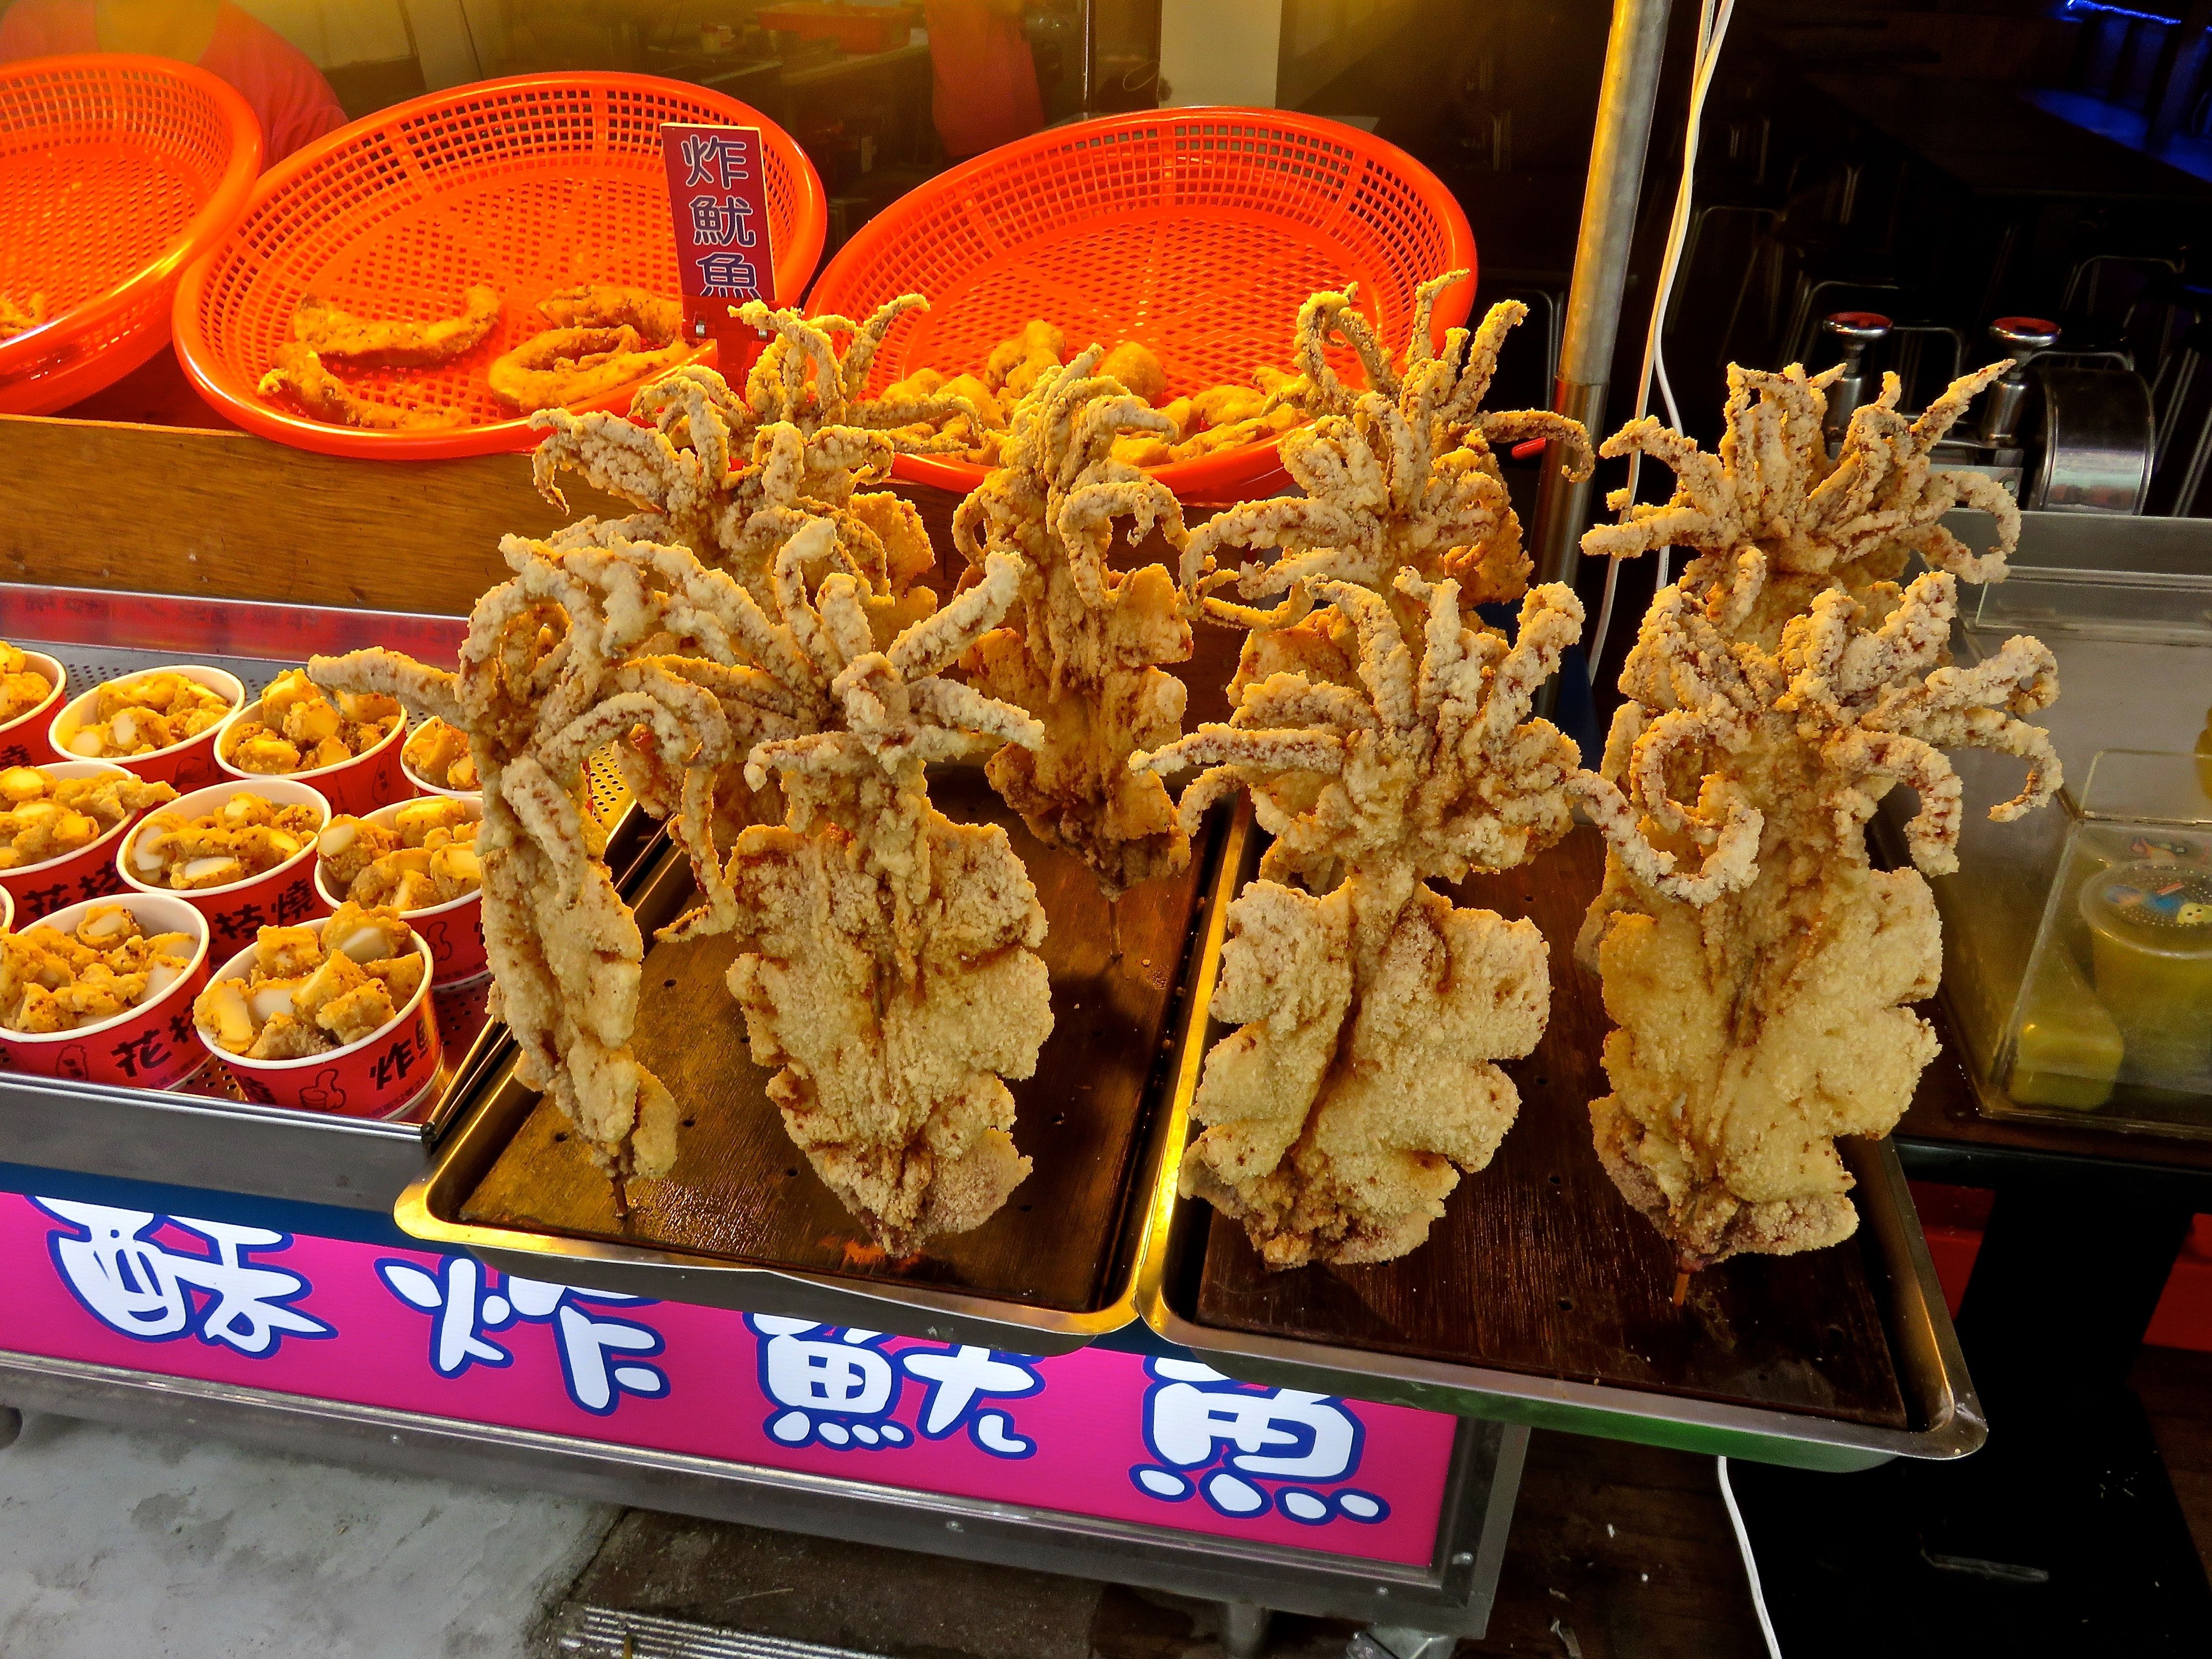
pixel 440 753
pixel 20 317
pixel 42 816
pixel 428 857
pixel 657 318
pixel 565 366
pixel 52 981
pixel 1360 1082
pixel 1396 477
pixel 1082 645
pixel 306 995
pixel 1757 965
pixel 146 712
pixel 895 983
pixel 298 373
pixel 22 687
pixel 246 836
pixel 395 342
pixel 300 730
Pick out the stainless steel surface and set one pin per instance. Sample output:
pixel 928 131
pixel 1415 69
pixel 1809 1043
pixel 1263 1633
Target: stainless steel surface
pixel 2018 338
pixel 1396 1641
pixel 1948 1416
pixel 1244 1629
pixel 1856 331
pixel 1632 54
pixel 432 1206
pixel 2098 438
pixel 1453 1592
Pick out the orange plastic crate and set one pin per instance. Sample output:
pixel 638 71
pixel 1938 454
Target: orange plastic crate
pixel 533 184
pixel 1198 232
pixel 116 172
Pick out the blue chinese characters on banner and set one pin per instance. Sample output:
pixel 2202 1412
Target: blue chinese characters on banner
pixel 1220 1438
pixel 839 1388
pixel 132 1283
pixel 599 1355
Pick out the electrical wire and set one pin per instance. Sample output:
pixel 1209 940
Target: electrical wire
pixel 1750 1563
pixel 1713 16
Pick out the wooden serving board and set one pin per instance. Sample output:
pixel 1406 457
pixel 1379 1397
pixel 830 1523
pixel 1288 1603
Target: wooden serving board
pixel 742 1191
pixel 1540 1267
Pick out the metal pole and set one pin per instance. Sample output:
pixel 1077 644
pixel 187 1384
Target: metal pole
pixel 1632 54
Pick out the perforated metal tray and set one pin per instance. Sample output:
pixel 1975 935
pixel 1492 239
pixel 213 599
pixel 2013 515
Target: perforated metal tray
pixel 203 1133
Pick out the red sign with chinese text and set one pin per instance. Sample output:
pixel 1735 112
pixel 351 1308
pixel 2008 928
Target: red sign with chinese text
pixel 718 200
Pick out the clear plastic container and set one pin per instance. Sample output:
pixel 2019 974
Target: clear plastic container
pixel 2114 1014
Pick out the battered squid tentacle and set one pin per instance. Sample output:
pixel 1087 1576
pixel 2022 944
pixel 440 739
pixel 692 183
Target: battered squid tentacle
pixel 1778 689
pixel 1361 1080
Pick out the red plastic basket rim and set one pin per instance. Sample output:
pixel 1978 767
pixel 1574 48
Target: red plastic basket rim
pixel 239 401
pixel 205 229
pixel 1196 479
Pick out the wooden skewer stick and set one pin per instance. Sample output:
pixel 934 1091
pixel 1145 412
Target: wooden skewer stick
pixel 1114 910
pixel 1682 1285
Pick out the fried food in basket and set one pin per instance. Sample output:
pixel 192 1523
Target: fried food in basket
pixel 306 995
pixel 395 342
pixel 247 835
pixel 22 687
pixel 596 642
pixel 439 754
pixel 1398 476
pixel 144 713
pixel 656 317
pixel 42 816
pixel 20 317
pixel 565 366
pixel 427 857
pixel 1080 649
pixel 50 980
pixel 1361 1080
pixel 299 375
pixel 1757 965
pixel 300 730
pixel 895 983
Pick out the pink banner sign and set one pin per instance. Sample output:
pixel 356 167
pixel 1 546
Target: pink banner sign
pixel 718 196
pixel 1166 1443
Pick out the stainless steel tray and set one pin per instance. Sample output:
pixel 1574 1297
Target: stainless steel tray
pixel 1756 1329
pixel 202 1133
pixel 742 1223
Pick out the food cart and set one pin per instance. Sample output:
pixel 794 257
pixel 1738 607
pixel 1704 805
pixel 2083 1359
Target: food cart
pixel 1105 1380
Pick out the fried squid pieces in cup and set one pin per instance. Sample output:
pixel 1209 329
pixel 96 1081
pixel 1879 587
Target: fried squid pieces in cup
pixel 1757 966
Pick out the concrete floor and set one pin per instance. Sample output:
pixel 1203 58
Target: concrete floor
pixel 116 1545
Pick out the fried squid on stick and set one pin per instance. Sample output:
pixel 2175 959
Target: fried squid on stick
pixel 1757 965
pixel 1361 1080
pixel 895 983
pixel 1083 640
pixel 632 645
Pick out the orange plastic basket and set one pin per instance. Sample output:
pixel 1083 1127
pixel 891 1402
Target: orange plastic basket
pixel 1197 232
pixel 531 184
pixel 116 172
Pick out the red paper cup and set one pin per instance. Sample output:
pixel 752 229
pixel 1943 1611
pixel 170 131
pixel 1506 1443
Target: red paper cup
pixel 152 1046
pixel 26 740
pixel 422 786
pixel 378 1076
pixel 187 765
pixel 357 787
pixel 87 873
pixel 454 930
pixel 282 898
